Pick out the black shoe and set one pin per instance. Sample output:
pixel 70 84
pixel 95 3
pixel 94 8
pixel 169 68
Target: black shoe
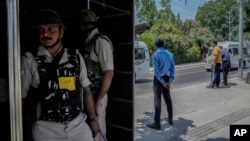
pixel 217 86
pixel 170 121
pixel 210 87
pixel 155 126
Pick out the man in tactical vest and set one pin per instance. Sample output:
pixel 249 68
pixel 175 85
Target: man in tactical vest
pixel 98 54
pixel 53 76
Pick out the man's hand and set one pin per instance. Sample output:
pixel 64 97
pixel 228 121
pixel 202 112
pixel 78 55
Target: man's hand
pixel 213 65
pixel 167 85
pixel 98 105
pixel 94 126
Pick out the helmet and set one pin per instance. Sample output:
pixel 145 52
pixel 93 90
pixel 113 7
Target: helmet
pixel 159 41
pixel 88 16
pixel 48 16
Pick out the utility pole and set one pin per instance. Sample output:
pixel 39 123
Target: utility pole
pixel 229 22
pixel 240 71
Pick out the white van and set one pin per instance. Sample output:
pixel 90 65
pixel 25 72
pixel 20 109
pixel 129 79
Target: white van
pixel 141 60
pixel 233 49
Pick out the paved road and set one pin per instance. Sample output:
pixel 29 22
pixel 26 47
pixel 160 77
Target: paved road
pixel 183 78
pixel 200 114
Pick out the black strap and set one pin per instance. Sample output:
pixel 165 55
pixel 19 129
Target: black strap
pixel 74 57
pixel 51 70
pixel 93 41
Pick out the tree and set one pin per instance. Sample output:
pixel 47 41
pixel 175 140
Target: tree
pixel 246 17
pixel 172 35
pixel 187 41
pixel 146 11
pixel 194 33
pixel 246 22
pixel 214 15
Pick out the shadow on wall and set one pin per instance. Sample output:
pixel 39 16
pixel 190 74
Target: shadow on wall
pixel 167 132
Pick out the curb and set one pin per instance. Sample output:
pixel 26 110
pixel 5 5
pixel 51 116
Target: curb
pixel 185 66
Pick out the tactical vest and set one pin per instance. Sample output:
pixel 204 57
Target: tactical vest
pixel 59 87
pixel 93 68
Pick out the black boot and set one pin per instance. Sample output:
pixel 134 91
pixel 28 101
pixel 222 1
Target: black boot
pixel 170 119
pixel 155 125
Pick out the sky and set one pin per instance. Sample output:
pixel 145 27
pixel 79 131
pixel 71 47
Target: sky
pixel 187 11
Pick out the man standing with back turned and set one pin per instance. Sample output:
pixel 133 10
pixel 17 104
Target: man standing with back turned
pixel 225 64
pixel 164 68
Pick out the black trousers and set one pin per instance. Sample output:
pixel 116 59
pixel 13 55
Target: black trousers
pixel 159 90
pixel 225 69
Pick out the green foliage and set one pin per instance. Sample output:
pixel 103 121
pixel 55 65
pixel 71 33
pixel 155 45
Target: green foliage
pixel 186 44
pixel 246 17
pixel 147 11
pixel 194 53
pixel 215 15
pixel 196 34
pixel 186 40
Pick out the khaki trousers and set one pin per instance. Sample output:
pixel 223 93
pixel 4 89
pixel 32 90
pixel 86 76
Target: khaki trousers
pixel 75 130
pixel 102 120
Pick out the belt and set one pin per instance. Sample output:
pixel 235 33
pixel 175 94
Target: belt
pixel 59 116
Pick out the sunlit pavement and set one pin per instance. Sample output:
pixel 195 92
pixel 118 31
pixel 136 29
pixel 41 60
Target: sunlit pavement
pixel 199 113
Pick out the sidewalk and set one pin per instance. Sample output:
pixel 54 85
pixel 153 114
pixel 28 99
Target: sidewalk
pixel 199 113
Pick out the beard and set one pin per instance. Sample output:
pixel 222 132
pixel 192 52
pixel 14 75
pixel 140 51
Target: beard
pixel 50 46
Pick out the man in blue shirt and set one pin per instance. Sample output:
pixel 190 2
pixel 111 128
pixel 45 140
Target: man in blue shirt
pixel 164 68
pixel 225 64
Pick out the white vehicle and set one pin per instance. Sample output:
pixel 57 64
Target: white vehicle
pixel 141 60
pixel 233 49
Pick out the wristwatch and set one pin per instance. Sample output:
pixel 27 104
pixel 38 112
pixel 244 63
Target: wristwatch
pixel 93 118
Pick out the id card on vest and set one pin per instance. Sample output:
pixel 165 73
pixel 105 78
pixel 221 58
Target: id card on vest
pixel 67 82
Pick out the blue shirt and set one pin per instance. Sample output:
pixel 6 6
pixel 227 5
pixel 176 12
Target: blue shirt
pixel 163 63
pixel 225 55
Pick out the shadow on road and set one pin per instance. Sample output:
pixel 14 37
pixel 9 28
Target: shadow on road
pixel 167 132
pixel 222 86
pixel 143 80
pixel 216 139
pixel 232 84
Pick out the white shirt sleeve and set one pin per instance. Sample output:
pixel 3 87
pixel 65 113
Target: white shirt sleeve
pixel 29 73
pixel 104 50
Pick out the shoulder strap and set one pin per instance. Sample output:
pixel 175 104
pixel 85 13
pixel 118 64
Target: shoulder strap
pixel 103 37
pixel 73 55
pixel 54 64
pixel 92 41
pixel 58 57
